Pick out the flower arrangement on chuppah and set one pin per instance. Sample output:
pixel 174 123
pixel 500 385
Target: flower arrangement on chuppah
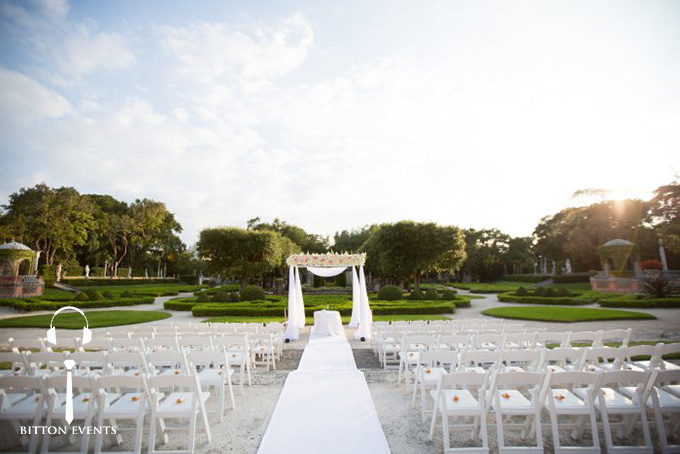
pixel 328 259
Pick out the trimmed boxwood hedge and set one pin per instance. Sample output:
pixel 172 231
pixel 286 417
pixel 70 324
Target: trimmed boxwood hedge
pixel 511 297
pixel 180 304
pixel 529 278
pixel 35 304
pixel 108 281
pixel 632 301
pixel 571 278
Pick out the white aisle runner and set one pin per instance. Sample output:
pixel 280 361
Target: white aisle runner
pixel 325 406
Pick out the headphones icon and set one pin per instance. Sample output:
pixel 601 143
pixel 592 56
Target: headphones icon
pixel 52 332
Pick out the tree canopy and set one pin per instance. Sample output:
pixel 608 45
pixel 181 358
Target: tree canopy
pixel 307 242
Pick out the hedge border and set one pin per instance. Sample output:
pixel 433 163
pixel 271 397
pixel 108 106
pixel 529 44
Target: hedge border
pixel 508 297
pixel 30 304
pixel 650 303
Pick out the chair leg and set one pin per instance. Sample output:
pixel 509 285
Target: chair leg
pixel 499 432
pixel 433 421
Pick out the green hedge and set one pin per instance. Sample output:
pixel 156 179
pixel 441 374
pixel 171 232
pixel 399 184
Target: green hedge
pixel 632 301
pixel 191 279
pixel 35 304
pixel 510 297
pixel 529 278
pixel 180 304
pixel 107 281
pixel 571 278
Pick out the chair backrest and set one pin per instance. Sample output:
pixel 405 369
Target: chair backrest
pixel 127 344
pixel 530 360
pixel 162 343
pixel 46 359
pixel 671 349
pixel 478 358
pixel 454 380
pixel 635 378
pixel 181 381
pixel 520 340
pixel 515 380
pixel 129 360
pixel 17 361
pixel 455 341
pixel 615 335
pixel 497 340
pixel 559 338
pixel 574 378
pixel 606 355
pixel 29 344
pixel 20 385
pixel 589 338
pixel 653 351
pixel 445 358
pixel 194 342
pixel 206 358
pixel 90 359
pixel 166 359
pixel 561 356
pixel 427 339
pixel 667 377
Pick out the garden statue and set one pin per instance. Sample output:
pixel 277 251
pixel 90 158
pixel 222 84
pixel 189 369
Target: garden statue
pixel 146 273
pixel 106 267
pixel 129 272
pixel 87 271
pixel 58 272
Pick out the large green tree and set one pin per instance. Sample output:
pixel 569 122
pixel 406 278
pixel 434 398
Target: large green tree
pixel 243 253
pixel 308 242
pixel 54 221
pixel 352 240
pixel 664 215
pixel 404 251
pixel 485 250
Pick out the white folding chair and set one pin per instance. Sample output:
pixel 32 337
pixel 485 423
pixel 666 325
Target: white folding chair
pixel 665 401
pixel 84 406
pixel 276 330
pixel 634 354
pixel 46 363
pixel 432 364
pixel 564 359
pixel 30 344
pixel 237 349
pixel 263 349
pixel 22 399
pixel 90 363
pixel 585 338
pixel 127 344
pixel 128 364
pixel 521 360
pixel 558 339
pixel 187 403
pixel 520 340
pixel 461 395
pixel 614 398
pixel 191 343
pixel 122 398
pixel 457 342
pixel 478 360
pixel 162 344
pixel 605 358
pixel 621 336
pixel 572 394
pixel 488 341
pixel 213 371
pixel 412 346
pixel 167 362
pixel 518 394
pixel 669 349
pixel 17 364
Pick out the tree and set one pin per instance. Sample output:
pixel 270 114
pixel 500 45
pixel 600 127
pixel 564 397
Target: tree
pixel 520 254
pixel 53 221
pixel 307 242
pixel 405 250
pixel 664 215
pixel 155 231
pixel 486 251
pixel 245 253
pixel 351 240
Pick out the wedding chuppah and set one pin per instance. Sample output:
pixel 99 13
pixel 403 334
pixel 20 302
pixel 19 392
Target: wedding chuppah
pixel 328 265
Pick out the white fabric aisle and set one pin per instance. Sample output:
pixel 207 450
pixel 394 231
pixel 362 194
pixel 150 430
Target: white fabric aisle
pixel 325 406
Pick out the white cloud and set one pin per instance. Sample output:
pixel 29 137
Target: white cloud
pixel 24 99
pixel 210 51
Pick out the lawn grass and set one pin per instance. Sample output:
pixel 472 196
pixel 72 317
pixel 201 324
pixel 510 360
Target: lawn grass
pixel 310 320
pixel 486 287
pixel 563 314
pixel 96 319
pixel 57 293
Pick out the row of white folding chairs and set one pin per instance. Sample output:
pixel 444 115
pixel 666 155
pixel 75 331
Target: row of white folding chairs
pixel 576 394
pixel 262 348
pixel 41 401
pixel 388 344
pixel 131 356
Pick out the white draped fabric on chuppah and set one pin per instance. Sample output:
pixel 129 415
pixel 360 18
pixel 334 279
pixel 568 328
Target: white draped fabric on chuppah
pixel 328 265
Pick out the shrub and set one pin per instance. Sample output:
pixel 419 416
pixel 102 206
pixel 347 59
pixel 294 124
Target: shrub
pixel 550 293
pixel 94 295
pixel 658 287
pixel 463 303
pixel 233 297
pixel 203 298
pixel 509 297
pixel 571 278
pixel 449 295
pixel 540 291
pixel 528 278
pixel 179 305
pixel 390 293
pixel 632 301
pixel 36 304
pixel 82 296
pixel 49 274
pixel 431 295
pixel 650 265
pixel 126 294
pixel 108 294
pixel 521 291
pixel 251 293
pixel 416 295
pixel 73 270
pixel 190 279
pixel 221 297
pixel 563 292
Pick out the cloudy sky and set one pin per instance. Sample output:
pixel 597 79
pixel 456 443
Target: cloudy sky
pixel 333 115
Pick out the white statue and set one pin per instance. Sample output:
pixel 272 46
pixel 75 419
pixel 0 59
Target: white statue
pixel 146 273
pixel 129 272
pixel 58 272
pixel 87 271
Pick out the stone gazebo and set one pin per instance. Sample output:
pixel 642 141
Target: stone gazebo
pixel 17 272
pixel 619 260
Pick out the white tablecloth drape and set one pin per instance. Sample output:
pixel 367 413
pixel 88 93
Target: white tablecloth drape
pixel 328 323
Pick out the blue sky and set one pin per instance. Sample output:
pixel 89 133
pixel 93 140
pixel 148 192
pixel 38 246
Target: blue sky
pixel 333 115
